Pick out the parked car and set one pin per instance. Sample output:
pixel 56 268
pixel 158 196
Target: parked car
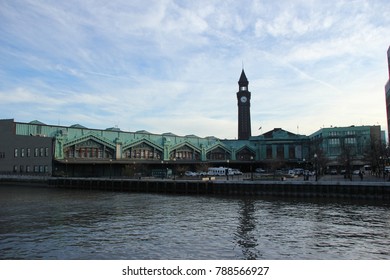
pixel 260 170
pixel 236 172
pixel 298 171
pixel 333 172
pixel 190 173
pixel 291 173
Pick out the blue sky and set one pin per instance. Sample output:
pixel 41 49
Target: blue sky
pixel 173 66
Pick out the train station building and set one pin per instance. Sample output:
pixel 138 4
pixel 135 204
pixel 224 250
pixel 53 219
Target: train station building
pixel 80 151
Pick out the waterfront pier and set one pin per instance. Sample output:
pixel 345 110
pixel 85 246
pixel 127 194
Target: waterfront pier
pixel 295 189
pixel 327 189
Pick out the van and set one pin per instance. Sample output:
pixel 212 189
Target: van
pixel 367 168
pixel 219 171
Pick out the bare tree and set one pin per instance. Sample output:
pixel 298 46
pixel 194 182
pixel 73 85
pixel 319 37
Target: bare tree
pixel 376 154
pixel 346 159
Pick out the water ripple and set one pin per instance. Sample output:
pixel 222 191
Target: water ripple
pixel 39 223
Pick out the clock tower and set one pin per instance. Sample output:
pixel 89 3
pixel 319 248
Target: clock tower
pixel 244 113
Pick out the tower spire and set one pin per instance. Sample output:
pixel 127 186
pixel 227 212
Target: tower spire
pixel 243 81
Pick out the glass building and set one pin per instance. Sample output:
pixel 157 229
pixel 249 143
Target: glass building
pixel 347 146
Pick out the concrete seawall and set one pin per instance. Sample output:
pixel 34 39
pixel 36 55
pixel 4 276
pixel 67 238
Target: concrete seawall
pixel 379 191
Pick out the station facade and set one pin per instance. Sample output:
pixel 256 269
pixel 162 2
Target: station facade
pixel 80 151
pixel 93 151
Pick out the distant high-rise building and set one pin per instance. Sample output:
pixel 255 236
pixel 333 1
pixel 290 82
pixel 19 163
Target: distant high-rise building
pixel 388 60
pixel 387 92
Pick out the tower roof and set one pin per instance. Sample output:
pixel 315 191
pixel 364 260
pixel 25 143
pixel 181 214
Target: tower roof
pixel 243 81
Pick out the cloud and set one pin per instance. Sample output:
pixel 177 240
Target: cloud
pixel 174 66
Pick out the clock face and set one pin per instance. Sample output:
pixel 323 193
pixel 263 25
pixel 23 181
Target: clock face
pixel 243 99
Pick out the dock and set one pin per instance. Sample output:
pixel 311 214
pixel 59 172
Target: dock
pixel 324 189
pixel 379 191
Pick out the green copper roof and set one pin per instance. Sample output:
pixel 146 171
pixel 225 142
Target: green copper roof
pixel 77 126
pixel 36 122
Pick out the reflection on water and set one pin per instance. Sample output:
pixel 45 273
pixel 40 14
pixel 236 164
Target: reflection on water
pixel 246 230
pixel 43 223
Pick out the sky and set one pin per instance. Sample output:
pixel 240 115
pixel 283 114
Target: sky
pixel 173 66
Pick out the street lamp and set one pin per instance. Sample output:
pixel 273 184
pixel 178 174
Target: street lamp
pixel 174 168
pixel 382 160
pixel 316 166
pixel 227 170
pixel 110 167
pixel 251 168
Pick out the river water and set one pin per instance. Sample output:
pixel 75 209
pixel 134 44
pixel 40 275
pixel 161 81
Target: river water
pixel 48 223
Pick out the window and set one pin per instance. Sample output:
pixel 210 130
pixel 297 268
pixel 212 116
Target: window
pixel 291 152
pixel 350 140
pixel 36 151
pixel 41 152
pixel 15 168
pixel 28 169
pixel 16 153
pixel 22 152
pixel 46 152
pixel 269 151
pixel 334 150
pixel 28 152
pixel 280 152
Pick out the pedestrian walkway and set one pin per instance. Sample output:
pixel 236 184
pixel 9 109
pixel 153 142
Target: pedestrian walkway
pixel 355 178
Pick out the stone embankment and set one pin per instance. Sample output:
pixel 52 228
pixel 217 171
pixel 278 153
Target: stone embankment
pixel 368 190
pixel 313 189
